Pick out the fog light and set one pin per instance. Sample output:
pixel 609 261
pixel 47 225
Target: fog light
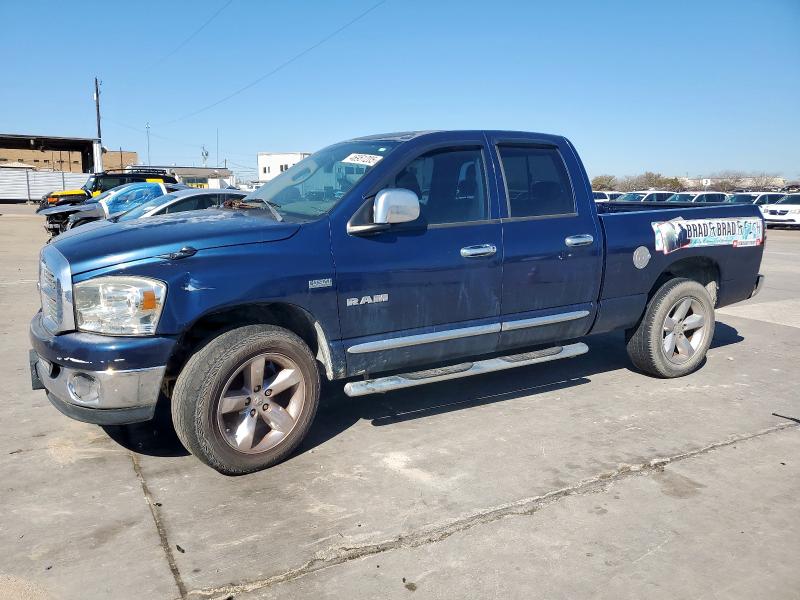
pixel 83 388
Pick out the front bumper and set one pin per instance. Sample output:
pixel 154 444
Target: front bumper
pixel 99 379
pixel 102 397
pixel 788 219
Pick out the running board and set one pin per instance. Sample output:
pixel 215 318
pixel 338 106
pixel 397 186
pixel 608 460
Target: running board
pixel 397 382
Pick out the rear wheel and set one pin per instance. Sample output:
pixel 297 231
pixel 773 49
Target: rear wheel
pixel 676 331
pixel 247 399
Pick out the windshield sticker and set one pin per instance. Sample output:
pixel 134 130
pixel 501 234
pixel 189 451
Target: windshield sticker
pixel 697 233
pixel 363 159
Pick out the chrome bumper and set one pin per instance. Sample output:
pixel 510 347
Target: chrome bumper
pixel 103 397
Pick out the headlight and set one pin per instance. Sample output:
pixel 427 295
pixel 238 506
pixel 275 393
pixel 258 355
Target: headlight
pixel 119 305
pixel 794 211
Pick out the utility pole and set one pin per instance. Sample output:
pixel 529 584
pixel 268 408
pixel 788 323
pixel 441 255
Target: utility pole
pixel 147 127
pixel 97 107
pixel 217 147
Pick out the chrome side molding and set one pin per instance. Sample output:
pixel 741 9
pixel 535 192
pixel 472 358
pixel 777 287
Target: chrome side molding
pixel 423 338
pixel 547 320
pixel 452 334
pixel 396 382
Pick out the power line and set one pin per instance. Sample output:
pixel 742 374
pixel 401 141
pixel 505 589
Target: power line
pixel 280 67
pixel 191 36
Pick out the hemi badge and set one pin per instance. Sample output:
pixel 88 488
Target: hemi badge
pixel 319 283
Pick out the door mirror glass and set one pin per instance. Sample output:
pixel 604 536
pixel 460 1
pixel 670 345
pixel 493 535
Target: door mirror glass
pixel 395 205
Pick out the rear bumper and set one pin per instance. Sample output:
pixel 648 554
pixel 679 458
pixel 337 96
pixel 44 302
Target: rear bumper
pixel 759 285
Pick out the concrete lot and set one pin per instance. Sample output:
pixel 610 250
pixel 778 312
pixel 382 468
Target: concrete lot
pixel 575 479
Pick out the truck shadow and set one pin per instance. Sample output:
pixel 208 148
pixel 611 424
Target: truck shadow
pixel 338 412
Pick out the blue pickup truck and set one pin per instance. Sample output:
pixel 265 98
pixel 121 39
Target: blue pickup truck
pixel 388 261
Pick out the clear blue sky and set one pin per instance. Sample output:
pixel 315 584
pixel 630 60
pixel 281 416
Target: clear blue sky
pixel 674 86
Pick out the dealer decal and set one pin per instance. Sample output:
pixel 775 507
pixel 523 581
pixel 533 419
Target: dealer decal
pixel 696 233
pixel 363 159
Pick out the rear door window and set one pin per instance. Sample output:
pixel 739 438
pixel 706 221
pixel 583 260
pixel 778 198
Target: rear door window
pixel 536 180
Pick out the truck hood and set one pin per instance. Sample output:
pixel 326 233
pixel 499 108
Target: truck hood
pixel 105 243
pixel 68 209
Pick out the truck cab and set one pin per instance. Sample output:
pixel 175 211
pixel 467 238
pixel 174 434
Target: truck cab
pixel 386 262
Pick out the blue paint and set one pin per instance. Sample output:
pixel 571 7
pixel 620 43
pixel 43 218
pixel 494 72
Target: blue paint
pixel 246 258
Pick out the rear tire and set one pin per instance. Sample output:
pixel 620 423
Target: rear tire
pixel 246 400
pixel 676 331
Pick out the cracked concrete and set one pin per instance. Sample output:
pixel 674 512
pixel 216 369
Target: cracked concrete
pixel 501 486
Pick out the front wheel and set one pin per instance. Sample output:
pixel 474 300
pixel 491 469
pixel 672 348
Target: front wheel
pixel 676 331
pixel 247 399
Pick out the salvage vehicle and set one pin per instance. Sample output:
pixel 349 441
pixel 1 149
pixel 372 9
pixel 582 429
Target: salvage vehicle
pixel 130 197
pixel 388 261
pixel 785 212
pixel 180 201
pixel 103 181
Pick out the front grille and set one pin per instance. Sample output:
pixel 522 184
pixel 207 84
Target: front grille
pixel 778 212
pixel 50 289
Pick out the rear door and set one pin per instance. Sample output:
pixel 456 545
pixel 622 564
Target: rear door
pixel 551 240
pixel 425 291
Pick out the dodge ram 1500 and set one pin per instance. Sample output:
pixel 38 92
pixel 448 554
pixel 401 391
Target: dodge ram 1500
pixel 388 261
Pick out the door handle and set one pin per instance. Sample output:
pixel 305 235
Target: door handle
pixel 583 239
pixel 477 251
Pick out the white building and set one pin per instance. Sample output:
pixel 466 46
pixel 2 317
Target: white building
pixel 272 164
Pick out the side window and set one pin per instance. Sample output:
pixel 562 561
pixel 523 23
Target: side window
pixel 536 180
pixel 450 185
pixel 192 203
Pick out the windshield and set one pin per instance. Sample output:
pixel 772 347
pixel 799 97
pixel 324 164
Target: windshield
pixel 133 195
pixel 317 183
pixel 742 199
pixel 681 198
pixel 140 210
pixel 791 199
pixel 89 185
pixel 599 195
pixel 631 197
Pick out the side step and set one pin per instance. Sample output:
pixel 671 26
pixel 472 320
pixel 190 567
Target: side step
pixel 397 382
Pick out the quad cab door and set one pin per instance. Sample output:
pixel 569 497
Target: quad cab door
pixel 552 242
pixel 429 290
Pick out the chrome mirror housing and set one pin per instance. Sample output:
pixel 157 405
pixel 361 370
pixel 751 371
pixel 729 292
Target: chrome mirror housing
pixel 395 205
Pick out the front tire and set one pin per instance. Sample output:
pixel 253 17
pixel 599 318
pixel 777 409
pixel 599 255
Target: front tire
pixel 676 331
pixel 246 400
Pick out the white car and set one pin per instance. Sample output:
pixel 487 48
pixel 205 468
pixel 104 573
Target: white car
pixel 606 196
pixel 785 211
pixel 645 196
pixel 760 199
pixel 697 197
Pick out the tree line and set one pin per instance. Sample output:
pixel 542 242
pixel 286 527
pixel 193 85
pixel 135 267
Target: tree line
pixel 723 181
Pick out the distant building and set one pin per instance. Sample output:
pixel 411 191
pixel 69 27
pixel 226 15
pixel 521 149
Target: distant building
pixel 272 164
pixel 198 177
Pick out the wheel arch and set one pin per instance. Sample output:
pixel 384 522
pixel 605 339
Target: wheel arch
pixel 701 269
pixel 282 314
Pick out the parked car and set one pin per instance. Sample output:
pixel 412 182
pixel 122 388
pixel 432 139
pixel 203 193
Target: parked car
pixel 785 212
pixel 449 254
pixel 604 196
pixel 56 217
pixel 757 198
pixel 101 182
pixel 60 218
pixel 645 196
pixel 697 197
pixel 180 201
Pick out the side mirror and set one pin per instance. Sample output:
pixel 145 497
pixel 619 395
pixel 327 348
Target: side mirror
pixel 395 205
pixel 390 206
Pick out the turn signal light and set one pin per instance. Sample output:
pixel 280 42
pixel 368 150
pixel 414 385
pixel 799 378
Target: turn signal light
pixel 52 199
